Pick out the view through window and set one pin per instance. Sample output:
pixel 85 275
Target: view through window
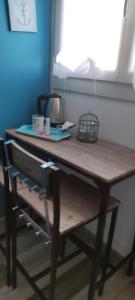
pixel 102 31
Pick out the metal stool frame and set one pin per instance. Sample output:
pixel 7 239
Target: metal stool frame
pixel 53 189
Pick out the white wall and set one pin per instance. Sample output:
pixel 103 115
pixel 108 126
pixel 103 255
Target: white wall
pixel 117 120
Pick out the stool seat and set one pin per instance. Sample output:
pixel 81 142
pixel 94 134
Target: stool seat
pixel 79 203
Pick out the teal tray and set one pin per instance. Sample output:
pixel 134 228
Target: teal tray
pixel 56 134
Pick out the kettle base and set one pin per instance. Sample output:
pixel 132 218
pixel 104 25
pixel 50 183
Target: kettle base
pixel 55 125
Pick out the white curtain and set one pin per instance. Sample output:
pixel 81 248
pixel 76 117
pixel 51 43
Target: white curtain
pixel 134 79
pixel 90 38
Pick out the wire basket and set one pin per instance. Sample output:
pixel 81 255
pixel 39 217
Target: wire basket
pixel 88 128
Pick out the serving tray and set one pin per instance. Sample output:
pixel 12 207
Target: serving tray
pixel 56 134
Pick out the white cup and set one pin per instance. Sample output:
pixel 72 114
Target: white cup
pixel 38 122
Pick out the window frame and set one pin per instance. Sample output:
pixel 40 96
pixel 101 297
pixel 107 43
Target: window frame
pixel 118 89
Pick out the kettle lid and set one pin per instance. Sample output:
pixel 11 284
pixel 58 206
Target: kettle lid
pixel 54 95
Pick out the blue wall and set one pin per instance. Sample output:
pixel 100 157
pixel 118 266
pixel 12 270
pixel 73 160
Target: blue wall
pixel 24 66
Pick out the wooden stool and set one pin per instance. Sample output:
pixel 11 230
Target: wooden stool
pixel 63 202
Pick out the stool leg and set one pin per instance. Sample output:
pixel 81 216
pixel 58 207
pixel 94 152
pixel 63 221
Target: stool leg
pixel 7 227
pixel 55 241
pixel 108 249
pixel 54 256
pixel 104 191
pixel 8 252
pixel 14 248
pixel 131 261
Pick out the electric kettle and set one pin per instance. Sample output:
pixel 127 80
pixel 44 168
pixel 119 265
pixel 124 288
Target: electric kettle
pixel 51 106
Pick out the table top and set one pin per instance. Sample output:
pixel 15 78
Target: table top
pixel 102 160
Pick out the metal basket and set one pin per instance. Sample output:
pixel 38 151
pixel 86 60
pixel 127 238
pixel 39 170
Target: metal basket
pixel 88 128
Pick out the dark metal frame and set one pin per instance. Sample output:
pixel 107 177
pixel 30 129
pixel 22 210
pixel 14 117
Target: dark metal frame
pixel 104 188
pixel 6 250
pixel 54 184
pixel 104 192
pixel 131 260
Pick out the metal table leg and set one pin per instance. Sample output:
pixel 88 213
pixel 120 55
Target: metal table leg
pixel 108 249
pixel 131 261
pixel 104 189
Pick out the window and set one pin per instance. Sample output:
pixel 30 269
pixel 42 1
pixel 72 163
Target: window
pixel 96 39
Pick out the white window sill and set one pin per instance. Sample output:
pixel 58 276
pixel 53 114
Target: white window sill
pixel 106 89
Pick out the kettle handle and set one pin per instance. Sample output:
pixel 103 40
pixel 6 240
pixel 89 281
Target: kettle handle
pixel 39 100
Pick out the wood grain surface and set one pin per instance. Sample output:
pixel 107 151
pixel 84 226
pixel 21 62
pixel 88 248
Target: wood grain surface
pixel 104 160
pixel 79 203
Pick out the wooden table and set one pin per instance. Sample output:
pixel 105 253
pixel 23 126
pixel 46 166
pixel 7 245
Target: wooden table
pixel 104 162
